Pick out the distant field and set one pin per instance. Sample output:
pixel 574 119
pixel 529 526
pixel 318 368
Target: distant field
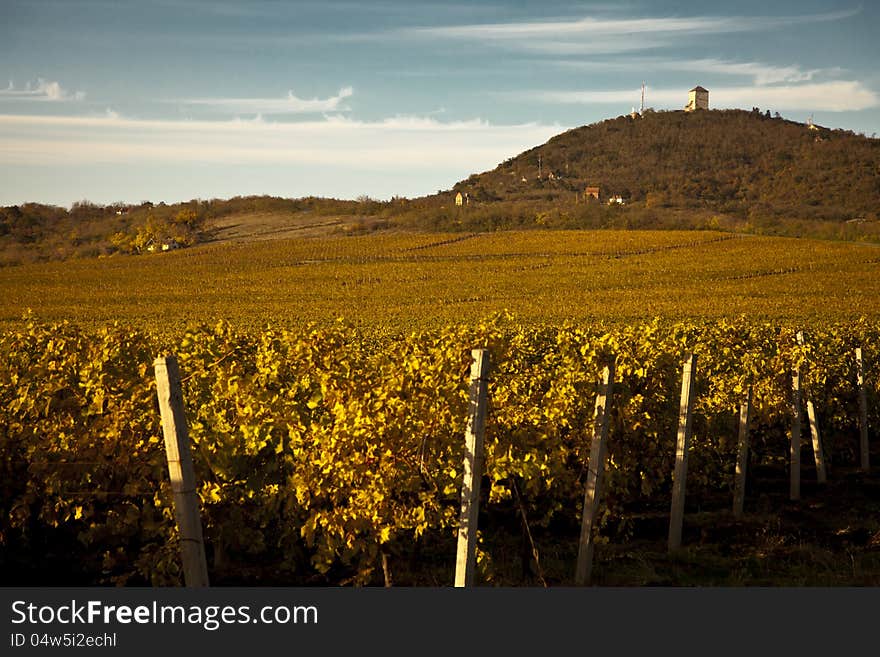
pixel 410 280
pixel 260 226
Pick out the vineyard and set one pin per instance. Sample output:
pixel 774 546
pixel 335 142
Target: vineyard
pixel 391 282
pixel 329 451
pixel 328 455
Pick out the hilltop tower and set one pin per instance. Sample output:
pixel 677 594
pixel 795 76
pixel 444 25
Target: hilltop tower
pixel 641 111
pixel 698 98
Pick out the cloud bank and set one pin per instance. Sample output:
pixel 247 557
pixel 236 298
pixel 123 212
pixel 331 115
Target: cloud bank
pixel 833 96
pixel 43 90
pixel 400 143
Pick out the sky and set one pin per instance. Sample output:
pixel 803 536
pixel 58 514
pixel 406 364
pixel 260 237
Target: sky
pixel 127 101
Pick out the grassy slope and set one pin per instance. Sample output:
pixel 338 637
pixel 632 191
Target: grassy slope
pixel 403 281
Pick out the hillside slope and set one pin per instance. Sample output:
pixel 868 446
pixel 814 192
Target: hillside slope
pixel 731 161
pixel 727 169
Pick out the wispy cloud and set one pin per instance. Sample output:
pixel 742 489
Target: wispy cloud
pixel 400 143
pixel 761 73
pixel 604 26
pixel 289 104
pixel 612 35
pixel 833 96
pixel 42 90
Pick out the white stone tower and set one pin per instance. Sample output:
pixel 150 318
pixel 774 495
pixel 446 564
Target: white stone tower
pixel 698 98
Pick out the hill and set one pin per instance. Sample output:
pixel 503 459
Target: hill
pixel 731 161
pixel 718 169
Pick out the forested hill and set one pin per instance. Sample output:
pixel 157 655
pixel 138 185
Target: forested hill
pixel 734 161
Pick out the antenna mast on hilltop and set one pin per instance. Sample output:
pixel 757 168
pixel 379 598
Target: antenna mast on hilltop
pixel 642 107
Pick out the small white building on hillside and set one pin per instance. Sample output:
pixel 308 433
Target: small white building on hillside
pixel 698 98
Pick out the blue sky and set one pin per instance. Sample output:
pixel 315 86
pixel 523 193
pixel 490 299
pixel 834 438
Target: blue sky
pixel 118 100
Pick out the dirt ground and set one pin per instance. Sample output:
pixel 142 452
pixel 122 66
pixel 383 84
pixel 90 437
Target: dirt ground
pixel 830 537
pixel 256 227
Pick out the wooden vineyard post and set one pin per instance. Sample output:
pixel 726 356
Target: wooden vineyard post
pixel 180 470
pixel 593 487
pixel 818 453
pixel 676 516
pixel 742 458
pixel 465 561
pixel 794 491
pixel 863 412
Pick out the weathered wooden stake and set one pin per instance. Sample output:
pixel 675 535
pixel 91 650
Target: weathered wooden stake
pixel 465 562
pixel 863 412
pixel 818 453
pixel 593 487
pixel 795 448
pixel 180 469
pixel 676 516
pixel 742 458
